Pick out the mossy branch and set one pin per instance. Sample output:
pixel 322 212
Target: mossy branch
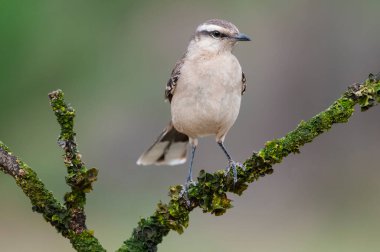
pixel 209 193
pixel 69 220
pixel 42 200
pixel 79 178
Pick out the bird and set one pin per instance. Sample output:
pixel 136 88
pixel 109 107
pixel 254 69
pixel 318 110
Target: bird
pixel 204 90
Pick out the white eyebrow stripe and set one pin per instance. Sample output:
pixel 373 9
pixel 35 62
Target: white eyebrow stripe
pixel 209 27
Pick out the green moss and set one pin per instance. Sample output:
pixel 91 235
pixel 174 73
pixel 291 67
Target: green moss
pixel 42 200
pixel 70 221
pixel 85 242
pixel 79 178
pixel 65 114
pixel 146 236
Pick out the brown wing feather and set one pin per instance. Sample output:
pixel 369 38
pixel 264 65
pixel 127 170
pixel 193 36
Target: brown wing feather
pixel 172 82
pixel 244 84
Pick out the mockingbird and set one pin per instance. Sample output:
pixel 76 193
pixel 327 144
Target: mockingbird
pixel 204 90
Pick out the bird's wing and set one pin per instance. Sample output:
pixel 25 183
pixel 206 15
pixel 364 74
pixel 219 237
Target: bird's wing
pixel 172 82
pixel 244 84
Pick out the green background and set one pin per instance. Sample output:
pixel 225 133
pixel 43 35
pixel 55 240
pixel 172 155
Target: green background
pixel 113 58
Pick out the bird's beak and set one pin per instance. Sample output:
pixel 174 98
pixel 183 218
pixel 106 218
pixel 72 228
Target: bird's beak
pixel 241 37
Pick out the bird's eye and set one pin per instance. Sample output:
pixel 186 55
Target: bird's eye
pixel 216 34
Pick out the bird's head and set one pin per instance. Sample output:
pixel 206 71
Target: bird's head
pixel 216 36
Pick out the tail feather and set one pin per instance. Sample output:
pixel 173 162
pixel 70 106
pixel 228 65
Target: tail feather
pixel 169 149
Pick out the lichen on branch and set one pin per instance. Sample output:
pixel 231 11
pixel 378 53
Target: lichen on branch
pixel 42 200
pixel 79 178
pixel 68 219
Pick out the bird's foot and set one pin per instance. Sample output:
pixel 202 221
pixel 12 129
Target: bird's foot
pixel 185 191
pixel 233 165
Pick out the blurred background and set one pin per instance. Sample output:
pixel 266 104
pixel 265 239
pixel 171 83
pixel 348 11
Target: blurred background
pixel 113 58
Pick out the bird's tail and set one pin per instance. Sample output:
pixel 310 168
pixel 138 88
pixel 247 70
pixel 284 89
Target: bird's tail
pixel 169 149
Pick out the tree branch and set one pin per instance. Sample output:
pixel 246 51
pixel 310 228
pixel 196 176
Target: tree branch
pixel 69 220
pixel 209 193
pixel 42 200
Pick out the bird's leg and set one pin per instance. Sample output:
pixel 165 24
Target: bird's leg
pixel 189 179
pixel 231 164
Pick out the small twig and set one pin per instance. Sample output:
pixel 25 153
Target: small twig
pixel 79 178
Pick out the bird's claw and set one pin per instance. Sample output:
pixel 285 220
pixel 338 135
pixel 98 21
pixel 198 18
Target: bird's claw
pixel 184 193
pixel 232 164
pixel 241 165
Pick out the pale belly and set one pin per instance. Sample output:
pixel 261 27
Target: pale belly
pixel 205 113
pixel 207 100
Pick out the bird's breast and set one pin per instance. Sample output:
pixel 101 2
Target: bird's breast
pixel 207 96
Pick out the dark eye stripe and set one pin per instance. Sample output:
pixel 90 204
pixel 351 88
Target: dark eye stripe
pixel 211 33
pixel 217 34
